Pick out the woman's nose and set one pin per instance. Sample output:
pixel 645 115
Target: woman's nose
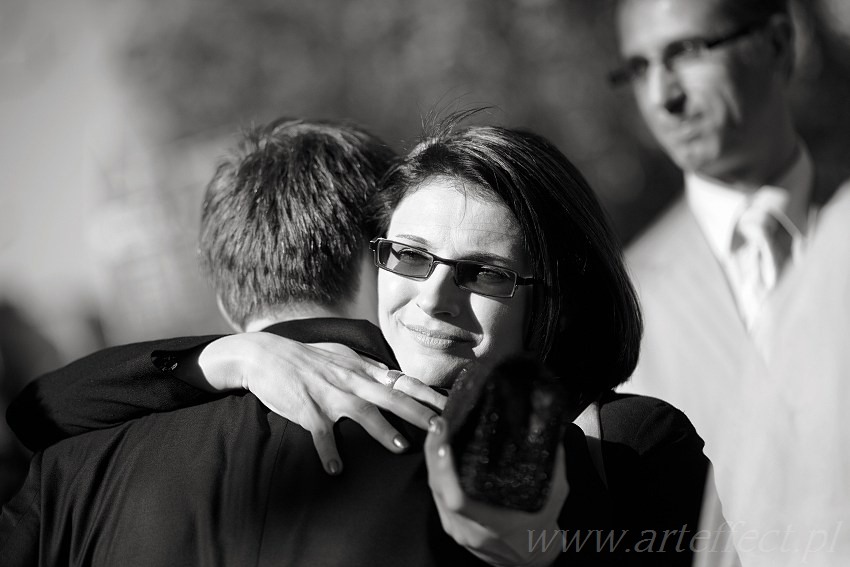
pixel 439 295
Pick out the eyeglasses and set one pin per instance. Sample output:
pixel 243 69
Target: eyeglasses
pixel 417 264
pixel 675 54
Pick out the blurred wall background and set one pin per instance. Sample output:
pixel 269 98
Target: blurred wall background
pixel 113 114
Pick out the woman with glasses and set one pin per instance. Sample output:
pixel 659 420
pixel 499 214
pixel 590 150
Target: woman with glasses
pixel 495 244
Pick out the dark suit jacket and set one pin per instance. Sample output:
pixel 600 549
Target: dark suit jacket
pixel 227 482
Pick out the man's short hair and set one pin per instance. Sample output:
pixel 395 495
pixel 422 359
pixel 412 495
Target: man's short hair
pixel 754 11
pixel 285 217
pixel 749 11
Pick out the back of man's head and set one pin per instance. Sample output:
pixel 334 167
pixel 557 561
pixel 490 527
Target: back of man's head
pixel 285 217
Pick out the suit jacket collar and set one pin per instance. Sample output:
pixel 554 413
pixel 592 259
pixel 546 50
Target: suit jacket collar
pixel 359 335
pixel 674 265
pixel 718 206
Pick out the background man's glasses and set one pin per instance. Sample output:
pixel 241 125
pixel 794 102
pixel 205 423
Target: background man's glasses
pixel 417 264
pixel 677 53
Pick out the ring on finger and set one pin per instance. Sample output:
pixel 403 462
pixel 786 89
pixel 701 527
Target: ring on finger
pixel 393 376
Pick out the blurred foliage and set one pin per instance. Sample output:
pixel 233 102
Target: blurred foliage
pixel 215 65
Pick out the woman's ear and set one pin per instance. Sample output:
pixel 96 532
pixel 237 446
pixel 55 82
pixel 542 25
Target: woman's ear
pixel 226 315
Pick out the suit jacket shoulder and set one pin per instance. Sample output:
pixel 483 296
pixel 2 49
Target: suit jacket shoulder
pixel 645 424
pixel 669 236
pixel 103 389
pixel 656 474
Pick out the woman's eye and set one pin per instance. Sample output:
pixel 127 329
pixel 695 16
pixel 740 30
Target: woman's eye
pixel 412 256
pixel 489 275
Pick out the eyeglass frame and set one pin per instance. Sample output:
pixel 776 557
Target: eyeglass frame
pixel 518 279
pixel 625 75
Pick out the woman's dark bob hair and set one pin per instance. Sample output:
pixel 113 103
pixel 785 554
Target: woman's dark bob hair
pixel 585 321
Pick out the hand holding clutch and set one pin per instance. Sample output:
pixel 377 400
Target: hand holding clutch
pixel 496 463
pixel 497 535
pixel 505 426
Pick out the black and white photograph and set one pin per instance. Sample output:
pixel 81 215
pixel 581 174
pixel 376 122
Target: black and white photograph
pixel 413 283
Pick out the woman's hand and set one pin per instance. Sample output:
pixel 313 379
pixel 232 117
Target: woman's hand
pixel 499 536
pixel 316 385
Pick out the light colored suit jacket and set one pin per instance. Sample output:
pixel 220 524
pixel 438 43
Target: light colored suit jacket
pixel 769 404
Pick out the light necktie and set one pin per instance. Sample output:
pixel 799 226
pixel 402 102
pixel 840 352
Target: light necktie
pixel 761 247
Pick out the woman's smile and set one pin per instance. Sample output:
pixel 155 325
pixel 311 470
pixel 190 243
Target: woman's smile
pixel 439 339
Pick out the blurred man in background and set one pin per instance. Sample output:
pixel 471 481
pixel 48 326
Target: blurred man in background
pixel 745 280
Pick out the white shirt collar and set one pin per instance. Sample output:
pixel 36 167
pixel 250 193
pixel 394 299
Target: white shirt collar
pixel 717 206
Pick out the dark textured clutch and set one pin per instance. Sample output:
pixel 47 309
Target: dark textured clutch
pixel 505 425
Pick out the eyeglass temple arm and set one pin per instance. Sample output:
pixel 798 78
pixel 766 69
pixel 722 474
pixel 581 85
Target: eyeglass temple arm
pixel 527 281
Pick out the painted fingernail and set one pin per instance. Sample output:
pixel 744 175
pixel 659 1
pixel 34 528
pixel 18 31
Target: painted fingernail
pixel 435 424
pixel 334 467
pixel 442 451
pixel 400 442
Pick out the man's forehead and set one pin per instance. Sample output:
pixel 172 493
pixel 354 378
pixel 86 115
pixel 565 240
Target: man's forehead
pixel 652 24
